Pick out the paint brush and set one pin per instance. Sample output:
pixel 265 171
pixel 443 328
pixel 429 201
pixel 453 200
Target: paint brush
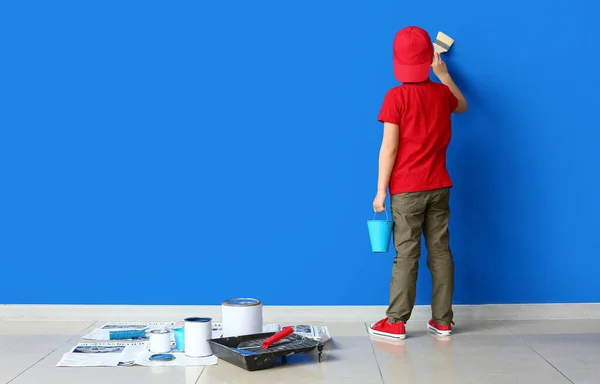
pixel 442 43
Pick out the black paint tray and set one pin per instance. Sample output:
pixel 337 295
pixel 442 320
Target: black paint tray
pixel 253 357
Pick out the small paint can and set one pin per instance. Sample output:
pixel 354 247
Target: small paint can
pixel 160 341
pixel 198 330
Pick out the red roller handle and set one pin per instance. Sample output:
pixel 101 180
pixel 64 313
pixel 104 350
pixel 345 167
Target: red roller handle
pixel 285 332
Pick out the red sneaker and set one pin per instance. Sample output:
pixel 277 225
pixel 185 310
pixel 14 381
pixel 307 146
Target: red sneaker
pixel 387 329
pixel 443 330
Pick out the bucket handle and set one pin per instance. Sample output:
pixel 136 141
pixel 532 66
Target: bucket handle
pixel 387 217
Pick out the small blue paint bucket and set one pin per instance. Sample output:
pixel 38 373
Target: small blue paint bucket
pixel 179 338
pixel 380 233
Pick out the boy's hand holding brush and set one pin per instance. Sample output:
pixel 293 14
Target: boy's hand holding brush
pixel 442 44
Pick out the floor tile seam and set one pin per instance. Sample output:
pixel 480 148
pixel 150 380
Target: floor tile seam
pixel 51 352
pixel 536 352
pixel 374 353
pixel 200 375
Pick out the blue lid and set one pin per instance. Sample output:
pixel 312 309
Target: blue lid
pixel 198 319
pixel 242 302
pixel 162 357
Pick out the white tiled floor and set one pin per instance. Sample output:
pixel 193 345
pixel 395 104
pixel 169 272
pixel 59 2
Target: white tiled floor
pixel 549 352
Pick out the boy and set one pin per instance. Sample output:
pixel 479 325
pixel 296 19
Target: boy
pixel 412 163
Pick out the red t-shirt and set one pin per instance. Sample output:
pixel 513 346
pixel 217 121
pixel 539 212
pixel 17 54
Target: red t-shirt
pixel 423 113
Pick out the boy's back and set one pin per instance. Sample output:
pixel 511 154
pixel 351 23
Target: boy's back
pixel 422 111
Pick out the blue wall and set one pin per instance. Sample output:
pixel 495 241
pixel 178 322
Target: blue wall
pixel 231 148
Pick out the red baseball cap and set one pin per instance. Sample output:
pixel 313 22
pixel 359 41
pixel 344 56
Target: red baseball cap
pixel 413 54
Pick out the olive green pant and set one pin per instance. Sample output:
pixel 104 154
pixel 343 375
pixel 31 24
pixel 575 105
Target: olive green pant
pixel 421 214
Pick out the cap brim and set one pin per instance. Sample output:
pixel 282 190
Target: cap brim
pixel 411 73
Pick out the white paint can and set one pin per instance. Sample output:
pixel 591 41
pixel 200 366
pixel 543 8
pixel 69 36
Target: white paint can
pixel 198 330
pixel 160 341
pixel 242 316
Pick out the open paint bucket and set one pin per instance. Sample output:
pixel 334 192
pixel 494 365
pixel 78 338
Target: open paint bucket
pixel 242 316
pixel 380 233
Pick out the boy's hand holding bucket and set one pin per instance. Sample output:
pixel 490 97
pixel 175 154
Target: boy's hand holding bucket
pixel 379 202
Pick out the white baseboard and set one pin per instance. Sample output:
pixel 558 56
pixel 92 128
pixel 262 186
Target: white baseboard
pixel 292 314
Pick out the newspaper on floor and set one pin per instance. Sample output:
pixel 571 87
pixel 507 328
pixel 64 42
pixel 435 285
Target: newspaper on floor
pixel 314 332
pixel 124 355
pixel 104 333
pixel 103 355
pixel 319 333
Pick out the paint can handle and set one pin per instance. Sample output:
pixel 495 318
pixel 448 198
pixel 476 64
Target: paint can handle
pixel 387 217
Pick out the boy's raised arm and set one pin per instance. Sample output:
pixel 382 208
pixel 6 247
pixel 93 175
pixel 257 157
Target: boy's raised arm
pixel 441 71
